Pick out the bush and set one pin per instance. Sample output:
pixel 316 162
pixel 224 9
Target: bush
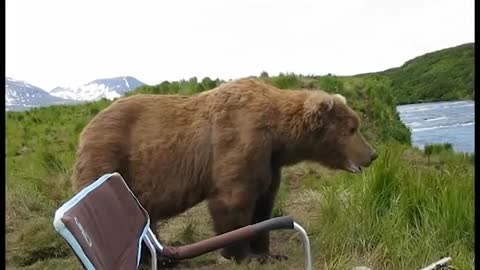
pixel 331 84
pixel 286 81
pixel 433 149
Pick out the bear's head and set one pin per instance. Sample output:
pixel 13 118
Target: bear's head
pixel 332 135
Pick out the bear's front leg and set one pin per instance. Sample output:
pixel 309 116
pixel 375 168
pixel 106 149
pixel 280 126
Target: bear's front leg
pixel 263 211
pixel 232 210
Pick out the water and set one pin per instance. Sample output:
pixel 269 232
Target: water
pixel 441 122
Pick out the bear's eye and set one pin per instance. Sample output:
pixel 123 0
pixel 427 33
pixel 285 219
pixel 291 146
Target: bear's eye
pixel 352 131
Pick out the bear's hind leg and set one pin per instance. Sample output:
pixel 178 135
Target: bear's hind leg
pixel 230 213
pixel 263 211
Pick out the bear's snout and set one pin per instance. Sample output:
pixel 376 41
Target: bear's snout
pixel 371 156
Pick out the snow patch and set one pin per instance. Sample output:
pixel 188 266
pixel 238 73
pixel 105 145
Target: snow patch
pixel 88 92
pixel 126 83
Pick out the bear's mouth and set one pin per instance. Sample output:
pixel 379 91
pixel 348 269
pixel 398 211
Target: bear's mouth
pixel 353 168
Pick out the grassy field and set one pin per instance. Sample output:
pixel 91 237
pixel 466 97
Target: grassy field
pixel 406 211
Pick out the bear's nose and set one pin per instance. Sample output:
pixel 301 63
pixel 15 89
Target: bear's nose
pixel 373 156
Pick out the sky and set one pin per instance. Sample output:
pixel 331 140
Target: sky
pixel 52 43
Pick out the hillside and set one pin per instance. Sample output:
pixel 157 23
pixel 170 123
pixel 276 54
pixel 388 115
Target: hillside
pixel 442 75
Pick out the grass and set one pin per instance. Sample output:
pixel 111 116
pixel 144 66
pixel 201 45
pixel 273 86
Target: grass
pixel 405 212
pixel 401 215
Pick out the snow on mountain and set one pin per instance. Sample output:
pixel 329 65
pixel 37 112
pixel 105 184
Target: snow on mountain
pixel 20 95
pixel 103 88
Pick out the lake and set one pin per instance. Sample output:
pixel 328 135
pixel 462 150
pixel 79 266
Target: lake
pixel 441 122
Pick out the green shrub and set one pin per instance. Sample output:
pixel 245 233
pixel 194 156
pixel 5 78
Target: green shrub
pixel 331 84
pixel 286 81
pixel 431 149
pixel 435 149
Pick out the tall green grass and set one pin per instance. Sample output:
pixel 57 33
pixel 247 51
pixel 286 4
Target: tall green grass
pixel 400 214
pixel 40 147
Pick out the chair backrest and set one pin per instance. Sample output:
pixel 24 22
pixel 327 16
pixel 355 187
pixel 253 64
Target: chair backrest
pixel 104 224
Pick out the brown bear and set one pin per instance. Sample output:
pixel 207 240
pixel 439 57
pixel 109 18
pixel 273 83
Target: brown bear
pixel 226 146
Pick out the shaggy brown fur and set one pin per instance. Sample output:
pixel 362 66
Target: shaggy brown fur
pixel 226 145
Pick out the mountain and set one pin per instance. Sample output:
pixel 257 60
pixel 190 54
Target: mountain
pixel 447 74
pixel 102 88
pixel 20 95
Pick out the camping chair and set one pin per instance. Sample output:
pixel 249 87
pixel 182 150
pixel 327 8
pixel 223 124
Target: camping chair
pixel 105 226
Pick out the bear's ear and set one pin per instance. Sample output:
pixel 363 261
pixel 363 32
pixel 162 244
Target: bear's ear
pixel 318 104
pixel 314 108
pixel 341 98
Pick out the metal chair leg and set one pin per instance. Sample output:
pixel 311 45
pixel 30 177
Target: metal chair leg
pixel 306 245
pixel 153 252
pixel 154 240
